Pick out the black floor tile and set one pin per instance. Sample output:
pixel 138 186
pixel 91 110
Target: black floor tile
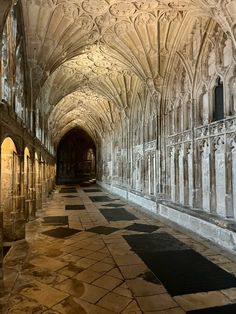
pixel 117 214
pixel 70 196
pixel 102 230
pixel 74 207
pixel 58 220
pixel 100 198
pixel 225 309
pixel 68 190
pixel 155 242
pixel 113 205
pixel 5 249
pixel 92 190
pixel 61 232
pixel 179 268
pixel 142 228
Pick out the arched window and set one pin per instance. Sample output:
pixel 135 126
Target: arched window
pixel 12 85
pixel 218 113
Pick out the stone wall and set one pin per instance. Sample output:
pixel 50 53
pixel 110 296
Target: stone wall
pixel 179 145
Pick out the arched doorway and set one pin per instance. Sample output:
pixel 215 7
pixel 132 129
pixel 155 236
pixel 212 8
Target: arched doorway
pixel 219 101
pixel 76 161
pixel 38 181
pixel 11 200
pixel 30 198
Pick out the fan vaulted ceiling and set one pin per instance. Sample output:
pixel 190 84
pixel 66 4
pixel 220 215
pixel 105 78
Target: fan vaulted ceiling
pixel 92 59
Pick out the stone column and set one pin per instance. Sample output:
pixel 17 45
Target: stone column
pixel 186 174
pixel 43 182
pixel 172 173
pixel 220 176
pixel 33 189
pixel 230 165
pixel 228 181
pixel 206 174
pixel 181 182
pixel 177 156
pixel 190 175
pixel 197 176
pixel 149 174
pixel 154 173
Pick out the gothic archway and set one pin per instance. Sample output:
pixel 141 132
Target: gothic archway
pixel 76 161
pixel 13 222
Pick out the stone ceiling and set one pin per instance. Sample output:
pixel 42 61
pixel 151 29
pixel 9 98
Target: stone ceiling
pixel 92 59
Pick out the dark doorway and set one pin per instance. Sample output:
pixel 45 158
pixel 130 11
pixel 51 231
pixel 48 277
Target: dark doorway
pixel 76 160
pixel 219 101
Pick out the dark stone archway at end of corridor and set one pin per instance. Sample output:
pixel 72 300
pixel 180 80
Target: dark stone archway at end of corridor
pixel 76 158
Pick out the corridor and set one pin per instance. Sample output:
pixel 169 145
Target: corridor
pixel 89 251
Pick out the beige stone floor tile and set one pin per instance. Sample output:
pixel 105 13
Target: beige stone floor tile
pixel 88 276
pixel 46 277
pixel 105 251
pixel 70 258
pixel 82 253
pixel 97 256
pixel 80 244
pixel 127 259
pixel 116 240
pixel 132 308
pixel 50 311
pixel 123 291
pixel 96 246
pixel 108 260
pixel 48 263
pixel 114 302
pixel 219 259
pixel 229 267
pixel 101 267
pixel 93 293
pixel 119 249
pixel 85 262
pixel 230 293
pixel 85 235
pixel 76 225
pixel 156 302
pixel 133 271
pixel 72 287
pixel 107 282
pixel 27 307
pixel 92 308
pixel 43 294
pixel 70 242
pixel 10 276
pixel 69 306
pixel 115 273
pixel 141 287
pixel 201 300
pixel 13 299
pixel 70 270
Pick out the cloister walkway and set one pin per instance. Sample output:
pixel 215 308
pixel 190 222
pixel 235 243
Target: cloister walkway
pixel 91 252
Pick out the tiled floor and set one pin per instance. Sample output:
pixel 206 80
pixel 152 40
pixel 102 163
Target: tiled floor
pixel 89 267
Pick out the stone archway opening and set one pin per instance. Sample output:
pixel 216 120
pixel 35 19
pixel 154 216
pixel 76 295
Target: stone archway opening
pixel 29 185
pixel 38 181
pixel 76 158
pixel 11 200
